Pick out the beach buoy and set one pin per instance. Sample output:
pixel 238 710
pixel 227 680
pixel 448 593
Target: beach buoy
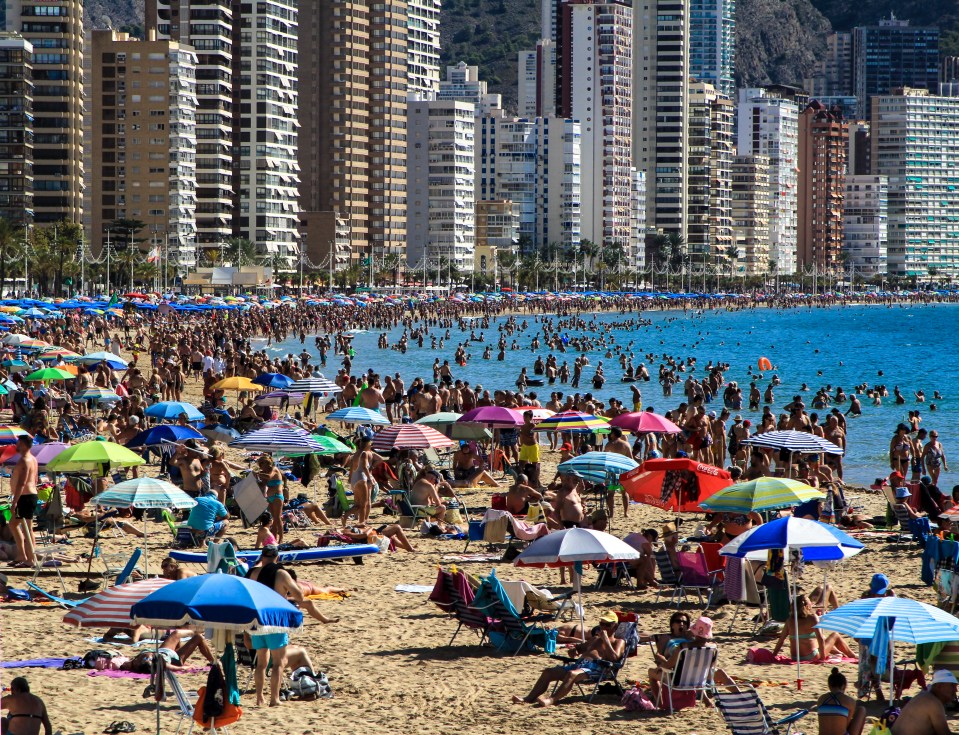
pixel 764 364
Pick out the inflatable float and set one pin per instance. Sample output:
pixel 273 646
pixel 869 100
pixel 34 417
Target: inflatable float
pixel 316 553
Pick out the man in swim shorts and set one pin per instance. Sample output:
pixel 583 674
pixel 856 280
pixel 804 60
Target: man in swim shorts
pixel 529 448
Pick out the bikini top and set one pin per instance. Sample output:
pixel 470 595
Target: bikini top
pixel 833 706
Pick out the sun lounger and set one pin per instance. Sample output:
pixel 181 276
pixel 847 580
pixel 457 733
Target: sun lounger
pixel 453 594
pixel 745 714
pixel 61 601
pixel 509 628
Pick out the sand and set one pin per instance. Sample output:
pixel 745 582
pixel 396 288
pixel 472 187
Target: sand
pixel 388 661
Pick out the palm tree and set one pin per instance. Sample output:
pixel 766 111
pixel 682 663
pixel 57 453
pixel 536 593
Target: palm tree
pixel 128 228
pixel 240 251
pixel 732 257
pixel 9 234
pixel 348 276
pixel 390 269
pixel 506 261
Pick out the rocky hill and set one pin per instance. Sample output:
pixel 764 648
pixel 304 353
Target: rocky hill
pixel 126 15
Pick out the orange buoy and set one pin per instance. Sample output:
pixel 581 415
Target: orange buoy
pixel 764 364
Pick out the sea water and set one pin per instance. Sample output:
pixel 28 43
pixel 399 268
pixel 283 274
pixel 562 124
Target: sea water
pixel 914 347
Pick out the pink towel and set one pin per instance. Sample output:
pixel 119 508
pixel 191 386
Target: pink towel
pixel 526 532
pixel 765 656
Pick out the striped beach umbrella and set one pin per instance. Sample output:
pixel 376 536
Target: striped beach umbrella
pixel 274 440
pixel 764 493
pixel 599 466
pixel 33 344
pixel 55 353
pixel 793 441
pixel 96 395
pixel 409 436
pixel 573 421
pixel 278 398
pixel 9 434
pixel 111 607
pixel 331 445
pixel 143 492
pixel 358 415
pixel 317 384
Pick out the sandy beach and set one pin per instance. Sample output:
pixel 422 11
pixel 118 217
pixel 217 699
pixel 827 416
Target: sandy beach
pixel 387 658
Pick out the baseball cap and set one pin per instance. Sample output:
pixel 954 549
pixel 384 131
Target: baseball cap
pixel 879 585
pixel 897 474
pixel 566 447
pixel 270 550
pixel 944 676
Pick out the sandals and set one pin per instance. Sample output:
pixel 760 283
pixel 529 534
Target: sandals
pixel 120 726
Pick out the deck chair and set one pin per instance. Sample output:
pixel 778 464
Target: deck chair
pixel 453 594
pixel 508 627
pixel 245 658
pixel 669 578
pixel 609 674
pixel 183 701
pixel 694 576
pixel 61 601
pixel 45 559
pixel 120 566
pixel 612 574
pixel 741 588
pixel 693 673
pixel 745 713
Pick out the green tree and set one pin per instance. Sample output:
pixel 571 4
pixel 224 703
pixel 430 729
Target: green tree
pixel 732 258
pixel 348 277
pixel 125 230
pixel 389 271
pixel 506 261
pixel 53 255
pixel 10 243
pixel 241 252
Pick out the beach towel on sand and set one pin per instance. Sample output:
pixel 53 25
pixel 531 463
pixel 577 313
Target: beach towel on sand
pixel 765 656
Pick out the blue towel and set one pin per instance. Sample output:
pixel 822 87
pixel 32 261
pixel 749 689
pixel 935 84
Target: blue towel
pixel 34 663
pixel 879 645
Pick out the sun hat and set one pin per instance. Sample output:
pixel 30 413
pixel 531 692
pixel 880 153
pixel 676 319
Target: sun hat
pixel 879 585
pixel 608 617
pixel 903 492
pixel 669 529
pixel 737 418
pixel 702 628
pixel 897 474
pixel 944 676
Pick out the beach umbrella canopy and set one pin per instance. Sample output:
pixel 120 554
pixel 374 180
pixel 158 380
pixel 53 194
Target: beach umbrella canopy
pixel 443 418
pixel 674 484
pixel 111 607
pixel 278 398
pixel 15 339
pixel 47 375
pixel 331 445
pixel 93 358
pixel 539 414
pixel 278 441
pixel 96 395
pixel 599 466
pixel 916 622
pixel 794 441
pixel 572 421
pixel 54 353
pixel 144 492
pixel 410 436
pixel 43 452
pixel 218 601
pixel 273 380
pixel 219 432
pixel 491 416
pixel 358 415
pixel 817 541
pixel 163 433
pixel 238 383
pixel 311 384
pixel 172 409
pixel 764 493
pixel 470 432
pixel 95 456
pixel 644 422
pixel 10 434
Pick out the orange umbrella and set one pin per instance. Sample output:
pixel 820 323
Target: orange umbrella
pixel 679 485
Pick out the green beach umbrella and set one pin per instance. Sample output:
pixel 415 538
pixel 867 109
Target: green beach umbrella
pixel 443 418
pixel 765 493
pixel 331 445
pixel 95 456
pixel 50 374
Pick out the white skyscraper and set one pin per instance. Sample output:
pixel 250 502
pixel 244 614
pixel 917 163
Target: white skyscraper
pixel 537 81
pixel 866 222
pixel 769 126
pixel 441 183
pixel 423 47
pixel 463 84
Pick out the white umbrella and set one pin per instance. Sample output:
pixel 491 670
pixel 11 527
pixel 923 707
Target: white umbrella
pixel 570 548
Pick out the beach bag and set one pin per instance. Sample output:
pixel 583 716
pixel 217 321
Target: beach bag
pixel 230 714
pixel 304 684
pixel 635 700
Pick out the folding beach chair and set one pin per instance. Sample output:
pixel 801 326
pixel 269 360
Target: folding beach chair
pixel 117 567
pixel 693 673
pixel 609 674
pixel 45 559
pixel 745 713
pixel 669 578
pixel 453 594
pixel 741 588
pixel 61 601
pixel 509 626
pixel 245 658
pixel 183 701
pixel 695 577
pixel 612 574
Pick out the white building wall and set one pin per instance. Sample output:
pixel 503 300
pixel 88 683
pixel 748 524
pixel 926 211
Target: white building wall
pixel 636 252
pixel 423 47
pixel 865 224
pixel 182 122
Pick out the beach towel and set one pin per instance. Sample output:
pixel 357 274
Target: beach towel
pixel 472 557
pixel 328 596
pixel 414 588
pixel 760 656
pixel 34 663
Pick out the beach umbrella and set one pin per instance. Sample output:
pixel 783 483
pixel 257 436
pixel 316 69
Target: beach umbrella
pixel 331 445
pixel 793 441
pixel 172 409
pixel 111 607
pixel 599 466
pixel 290 442
pixel 219 432
pixel 470 432
pixel 218 601
pixel 16 365
pixel 10 434
pixel 278 398
pixel 572 421
pixel 314 385
pixel 96 395
pixel 237 383
pixel 43 452
pixel 94 457
pixel 161 433
pixel 409 436
pixel 48 375
pixel 358 415
pixel 892 619
pixel 143 493
pixel 764 493
pixel 93 358
pixel 674 484
pixel 15 339
pixel 55 353
pixel 644 422
pixel 273 380
pixel 797 538
pixel 491 416
pixel 33 344
pixel 443 418
pixel 539 414
pixel 572 547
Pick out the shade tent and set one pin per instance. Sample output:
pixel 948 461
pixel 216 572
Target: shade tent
pixel 679 485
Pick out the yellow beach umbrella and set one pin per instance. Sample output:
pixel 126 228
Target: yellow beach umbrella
pixel 237 382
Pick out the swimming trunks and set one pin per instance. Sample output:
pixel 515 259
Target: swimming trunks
pixel 529 453
pixel 27 506
pixel 271 641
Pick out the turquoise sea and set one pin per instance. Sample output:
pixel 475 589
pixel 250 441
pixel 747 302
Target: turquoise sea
pixel 914 347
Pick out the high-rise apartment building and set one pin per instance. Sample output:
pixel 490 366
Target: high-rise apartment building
pixel 463 84
pixel 16 129
pixel 892 55
pixel 915 144
pixel 442 181
pixel 636 253
pixel 537 81
pixel 595 53
pixel 750 210
pixel 865 227
pixel 55 29
pixel 660 105
pixel 497 228
pixel 423 47
pixel 144 141
pixel 537 165
pixel 710 154
pixel 823 144
pixel 207 26
pixel 712 43
pixel 859 155
pixel 832 76
pixel 769 126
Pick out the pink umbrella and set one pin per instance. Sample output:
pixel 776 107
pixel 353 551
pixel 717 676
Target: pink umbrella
pixel 43 452
pixel 492 416
pixel 410 436
pixel 640 422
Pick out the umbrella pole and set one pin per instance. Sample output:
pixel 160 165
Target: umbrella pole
pixel 796 631
pixel 578 585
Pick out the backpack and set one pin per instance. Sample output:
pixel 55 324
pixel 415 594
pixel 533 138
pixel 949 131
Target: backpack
pixel 307 685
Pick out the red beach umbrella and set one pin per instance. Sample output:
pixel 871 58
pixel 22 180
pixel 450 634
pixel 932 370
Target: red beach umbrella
pixel 674 484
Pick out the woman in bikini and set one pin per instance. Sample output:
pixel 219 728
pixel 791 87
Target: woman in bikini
pixel 839 714
pixel 270 480
pixel 813 646
pixel 26 712
pixel 934 457
pixel 361 479
pixel 900 449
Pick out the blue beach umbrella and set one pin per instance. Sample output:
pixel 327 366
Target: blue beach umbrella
pixel 94 358
pixel 218 601
pixel 172 409
pixel 599 466
pixel 273 380
pixel 163 433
